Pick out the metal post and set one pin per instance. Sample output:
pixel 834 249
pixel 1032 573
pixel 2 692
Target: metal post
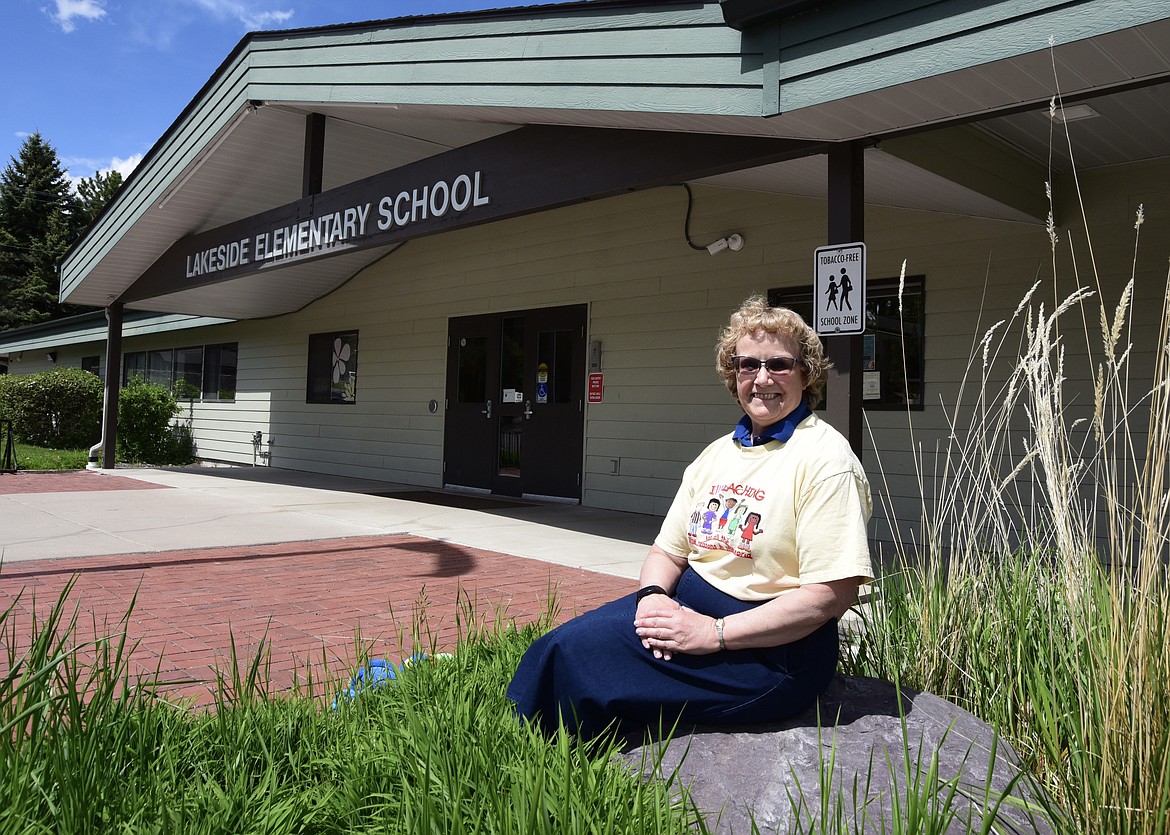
pixel 314 165
pixel 846 225
pixel 113 384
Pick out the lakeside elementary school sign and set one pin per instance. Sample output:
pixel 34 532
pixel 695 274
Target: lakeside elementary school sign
pixel 530 169
pixel 326 231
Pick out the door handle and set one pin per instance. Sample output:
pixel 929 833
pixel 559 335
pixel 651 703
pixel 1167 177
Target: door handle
pixel 488 410
pixel 527 409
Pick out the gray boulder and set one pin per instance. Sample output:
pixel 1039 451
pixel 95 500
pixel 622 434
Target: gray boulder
pixel 775 774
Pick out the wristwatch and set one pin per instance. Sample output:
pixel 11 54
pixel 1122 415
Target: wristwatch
pixel 646 591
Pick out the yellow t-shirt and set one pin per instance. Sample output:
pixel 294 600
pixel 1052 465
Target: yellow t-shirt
pixel 756 522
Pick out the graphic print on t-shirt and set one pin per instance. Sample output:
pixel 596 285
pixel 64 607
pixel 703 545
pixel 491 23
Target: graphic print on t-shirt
pixel 727 518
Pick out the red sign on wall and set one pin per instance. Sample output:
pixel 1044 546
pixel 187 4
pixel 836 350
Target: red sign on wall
pixel 595 388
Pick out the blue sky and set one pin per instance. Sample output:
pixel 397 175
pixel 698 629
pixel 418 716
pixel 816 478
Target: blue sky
pixel 103 79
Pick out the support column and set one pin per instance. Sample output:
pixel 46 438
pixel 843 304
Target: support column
pixel 113 385
pixel 846 225
pixel 314 166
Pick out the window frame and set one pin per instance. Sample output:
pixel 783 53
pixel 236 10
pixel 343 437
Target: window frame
pixel 878 290
pixel 324 362
pixel 181 367
pixel 142 365
pixel 94 364
pixel 138 371
pixel 213 393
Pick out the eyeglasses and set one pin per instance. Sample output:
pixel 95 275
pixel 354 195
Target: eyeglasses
pixel 777 366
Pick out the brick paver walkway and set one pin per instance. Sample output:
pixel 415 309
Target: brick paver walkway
pixel 313 601
pixel 69 482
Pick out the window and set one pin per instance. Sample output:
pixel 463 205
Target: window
pixel 152 366
pixel 472 372
pixel 555 355
pixel 332 375
pixel 160 367
pixel 134 366
pixel 219 371
pixel 889 380
pixel 93 365
pixel 188 372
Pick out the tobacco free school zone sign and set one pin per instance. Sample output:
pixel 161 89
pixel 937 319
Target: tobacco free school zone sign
pixel 839 290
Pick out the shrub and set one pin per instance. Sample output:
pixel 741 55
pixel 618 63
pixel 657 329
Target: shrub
pixel 180 446
pixel 60 409
pixel 145 433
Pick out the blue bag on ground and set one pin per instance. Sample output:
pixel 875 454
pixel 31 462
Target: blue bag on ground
pixel 379 671
pixel 374 674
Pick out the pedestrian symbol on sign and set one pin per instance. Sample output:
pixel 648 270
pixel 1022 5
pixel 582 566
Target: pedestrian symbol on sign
pixel 838 272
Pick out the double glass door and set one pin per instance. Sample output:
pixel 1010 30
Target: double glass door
pixel 515 402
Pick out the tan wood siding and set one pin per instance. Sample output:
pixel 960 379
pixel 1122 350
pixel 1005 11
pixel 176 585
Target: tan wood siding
pixel 657 305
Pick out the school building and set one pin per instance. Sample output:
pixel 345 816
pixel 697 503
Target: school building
pixel 493 250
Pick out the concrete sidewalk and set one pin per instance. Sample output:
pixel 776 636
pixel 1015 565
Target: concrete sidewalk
pixel 209 507
pixel 316 569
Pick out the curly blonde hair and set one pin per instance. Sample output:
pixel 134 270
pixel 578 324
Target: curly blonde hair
pixel 754 316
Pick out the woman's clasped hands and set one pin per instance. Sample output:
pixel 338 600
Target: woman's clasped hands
pixel 665 627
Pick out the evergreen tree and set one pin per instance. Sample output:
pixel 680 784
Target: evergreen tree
pixel 39 218
pixel 93 193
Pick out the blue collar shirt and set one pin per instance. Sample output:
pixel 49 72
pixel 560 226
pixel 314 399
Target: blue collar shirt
pixel 781 430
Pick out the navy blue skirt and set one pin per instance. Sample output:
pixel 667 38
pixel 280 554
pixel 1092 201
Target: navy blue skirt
pixel 592 673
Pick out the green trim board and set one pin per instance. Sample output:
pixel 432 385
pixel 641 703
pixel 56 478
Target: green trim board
pixel 611 57
pixel 849 48
pixel 91 327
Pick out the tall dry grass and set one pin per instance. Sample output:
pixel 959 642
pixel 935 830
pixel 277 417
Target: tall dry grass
pixel 1036 592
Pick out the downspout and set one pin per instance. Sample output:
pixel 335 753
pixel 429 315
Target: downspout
pixel 92 463
pixel 109 440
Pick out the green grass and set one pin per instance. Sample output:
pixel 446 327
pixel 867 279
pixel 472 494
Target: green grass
pixel 40 458
pixel 84 748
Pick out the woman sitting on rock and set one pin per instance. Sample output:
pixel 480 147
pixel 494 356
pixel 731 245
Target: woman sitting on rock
pixel 728 627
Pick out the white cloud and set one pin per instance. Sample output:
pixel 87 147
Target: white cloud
pixel 125 167
pixel 67 11
pixel 245 12
pixel 89 167
pixel 161 24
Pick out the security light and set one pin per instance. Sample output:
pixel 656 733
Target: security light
pixel 733 242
